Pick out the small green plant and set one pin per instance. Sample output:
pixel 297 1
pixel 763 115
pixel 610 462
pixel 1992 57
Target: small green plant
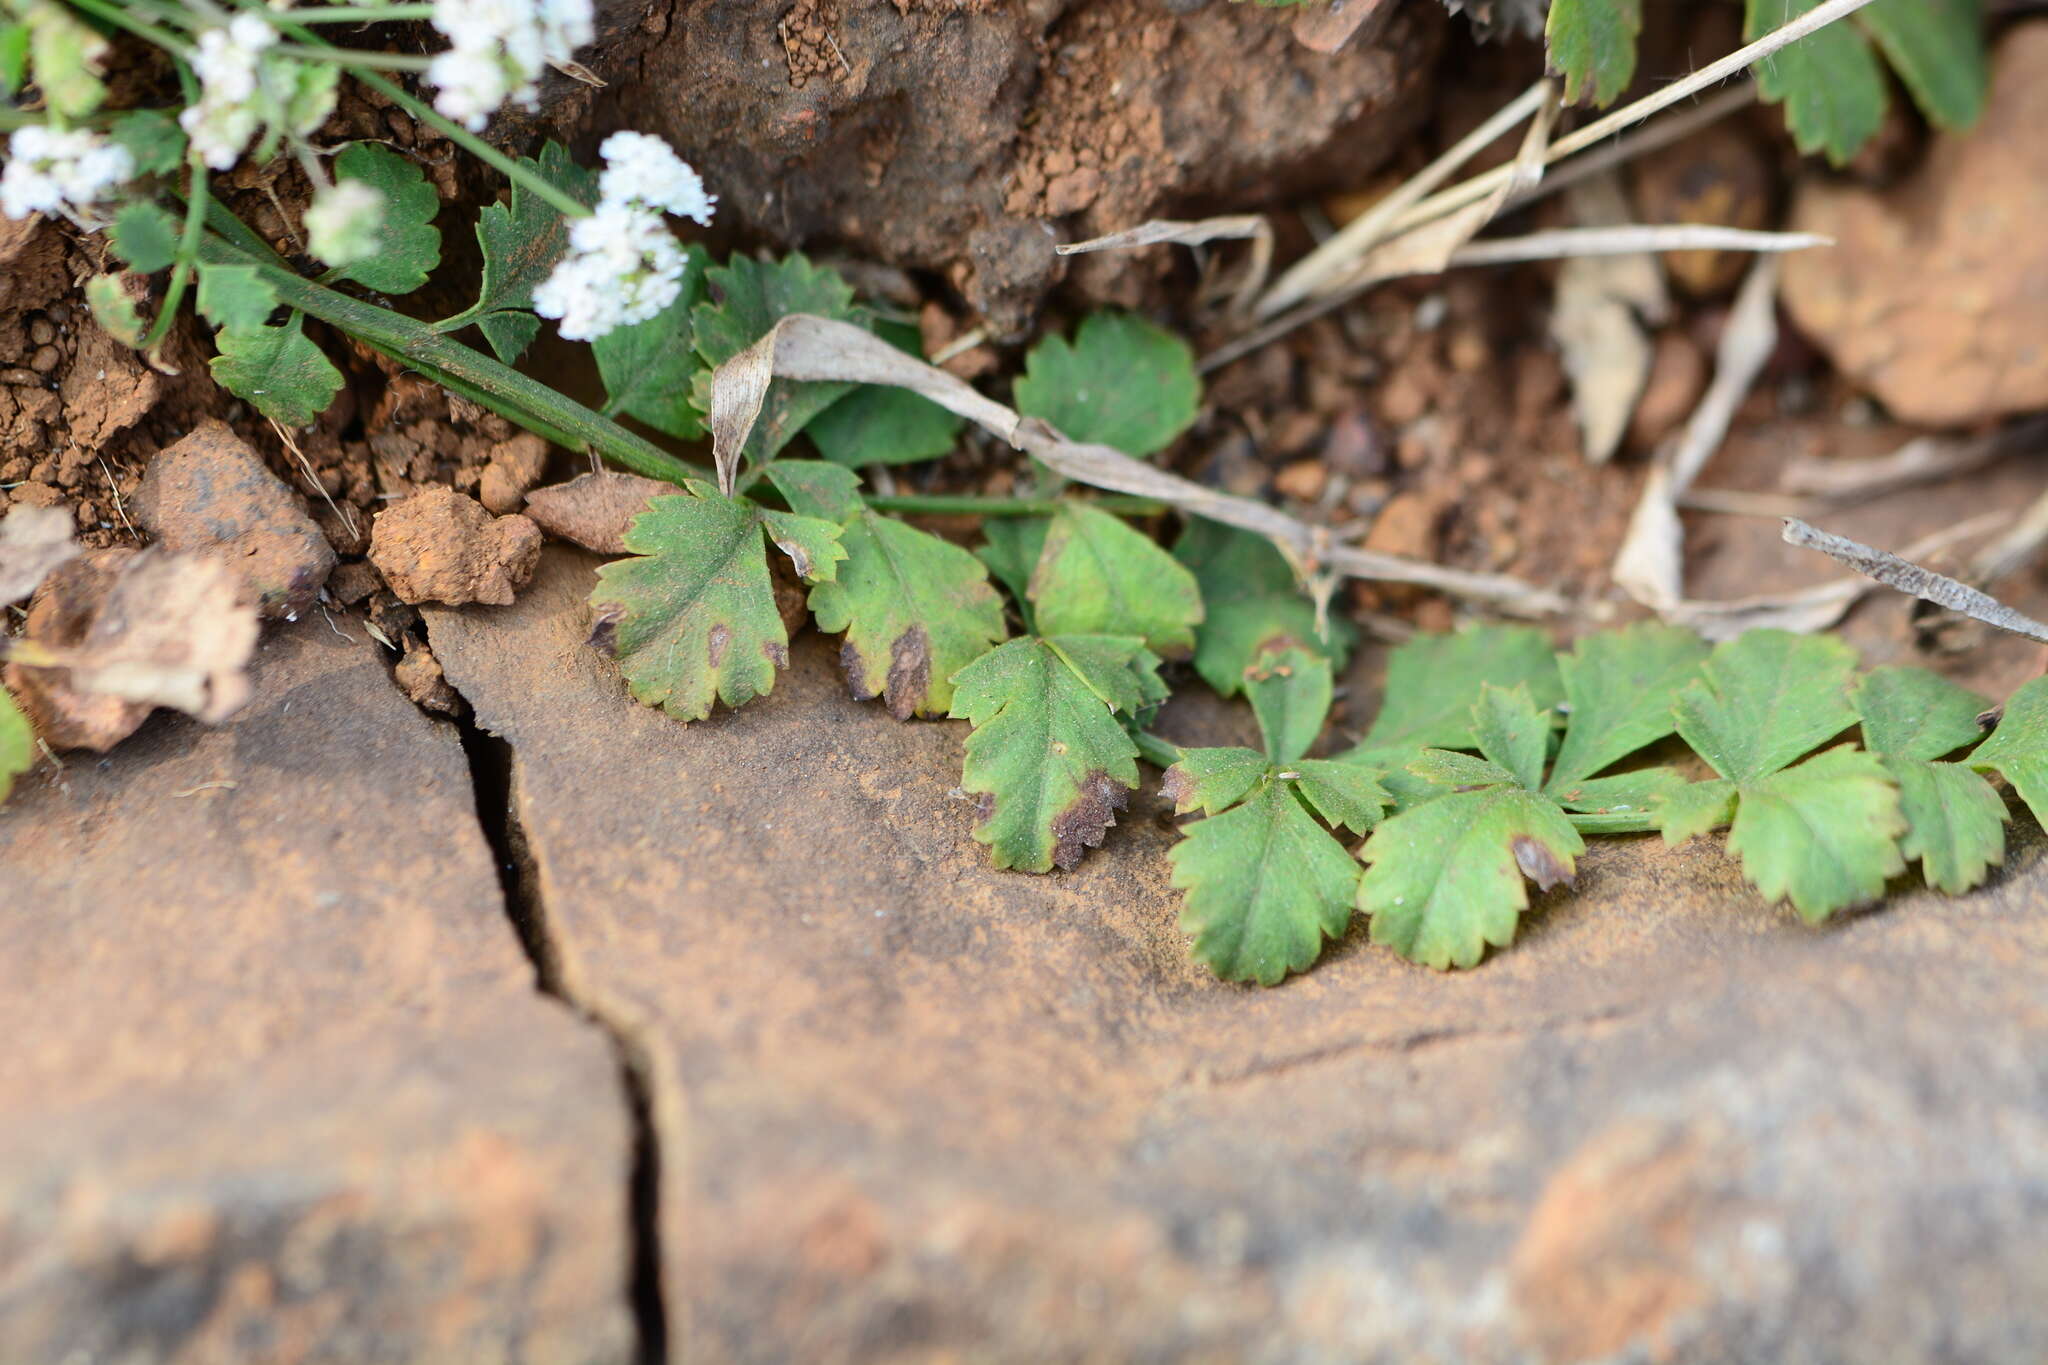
pixel 1831 83
pixel 1490 757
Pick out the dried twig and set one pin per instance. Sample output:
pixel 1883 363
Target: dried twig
pixel 1912 579
pixel 1924 459
pixel 1316 272
pixel 805 347
pixel 1237 227
pixel 1650 566
pixel 1809 609
pixel 1459 195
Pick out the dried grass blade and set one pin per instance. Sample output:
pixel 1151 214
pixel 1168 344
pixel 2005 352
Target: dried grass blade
pixel 1914 580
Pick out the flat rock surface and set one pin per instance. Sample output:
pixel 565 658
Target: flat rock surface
pixel 910 1108
pixel 1935 294
pixel 277 1082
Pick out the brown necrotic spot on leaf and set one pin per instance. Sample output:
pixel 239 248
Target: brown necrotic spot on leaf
pixel 855 669
pixel 910 672
pixel 721 636
pixel 1081 826
pixel 776 653
pixel 1540 865
pixel 604 629
pixel 1177 786
pixel 984 807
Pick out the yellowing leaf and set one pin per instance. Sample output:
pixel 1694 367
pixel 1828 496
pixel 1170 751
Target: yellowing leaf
pixel 692 619
pixel 1048 758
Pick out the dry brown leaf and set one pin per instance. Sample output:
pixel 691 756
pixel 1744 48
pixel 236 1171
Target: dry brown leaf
pixel 33 542
pixel 1597 321
pixel 1650 566
pixel 814 348
pixel 173 630
pixel 594 510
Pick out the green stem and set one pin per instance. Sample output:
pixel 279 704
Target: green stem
pixel 964 505
pixel 351 59
pixel 118 16
pixel 340 14
pixel 1159 752
pixel 524 400
pixel 188 254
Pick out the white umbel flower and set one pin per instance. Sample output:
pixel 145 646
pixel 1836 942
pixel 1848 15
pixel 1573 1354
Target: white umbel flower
pixel 61 171
pixel 640 168
pixel 229 65
pixel 498 49
pixel 342 224
pixel 623 267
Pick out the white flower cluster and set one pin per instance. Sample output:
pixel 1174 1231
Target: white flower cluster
pixel 64 171
pixel 623 264
pixel 229 64
pixel 343 223
pixel 498 49
pixel 246 86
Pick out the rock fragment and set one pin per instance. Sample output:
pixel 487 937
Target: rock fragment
pixel 210 494
pixel 61 617
pixel 515 466
pixel 1935 296
pixel 438 546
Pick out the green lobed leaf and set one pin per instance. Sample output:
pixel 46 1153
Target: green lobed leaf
pixel 1120 382
pixel 521 241
pixel 1447 878
pixel 649 367
pixel 1512 733
pixel 1829 82
pixel 915 609
pixel 1766 698
pixel 1265 886
pixel 1937 47
pixel 144 236
pixel 113 308
pixel 1212 780
pixel 1625 803
pixel 1823 834
pixel 1914 713
pixel 235 297
pixel 17 743
pixel 65 55
pixel 882 424
pixel 1290 693
pixel 1696 808
pixel 1447 768
pixel 750 298
pixel 691 617
pixel 277 371
pixel 409 245
pixel 14 41
pixel 1955 821
pixel 1592 44
pixel 2018 749
pixel 1433 680
pixel 1340 793
pixel 1620 688
pixel 1012 552
pixel 1096 575
pixel 1251 602
pixel 153 139
pixel 1048 758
